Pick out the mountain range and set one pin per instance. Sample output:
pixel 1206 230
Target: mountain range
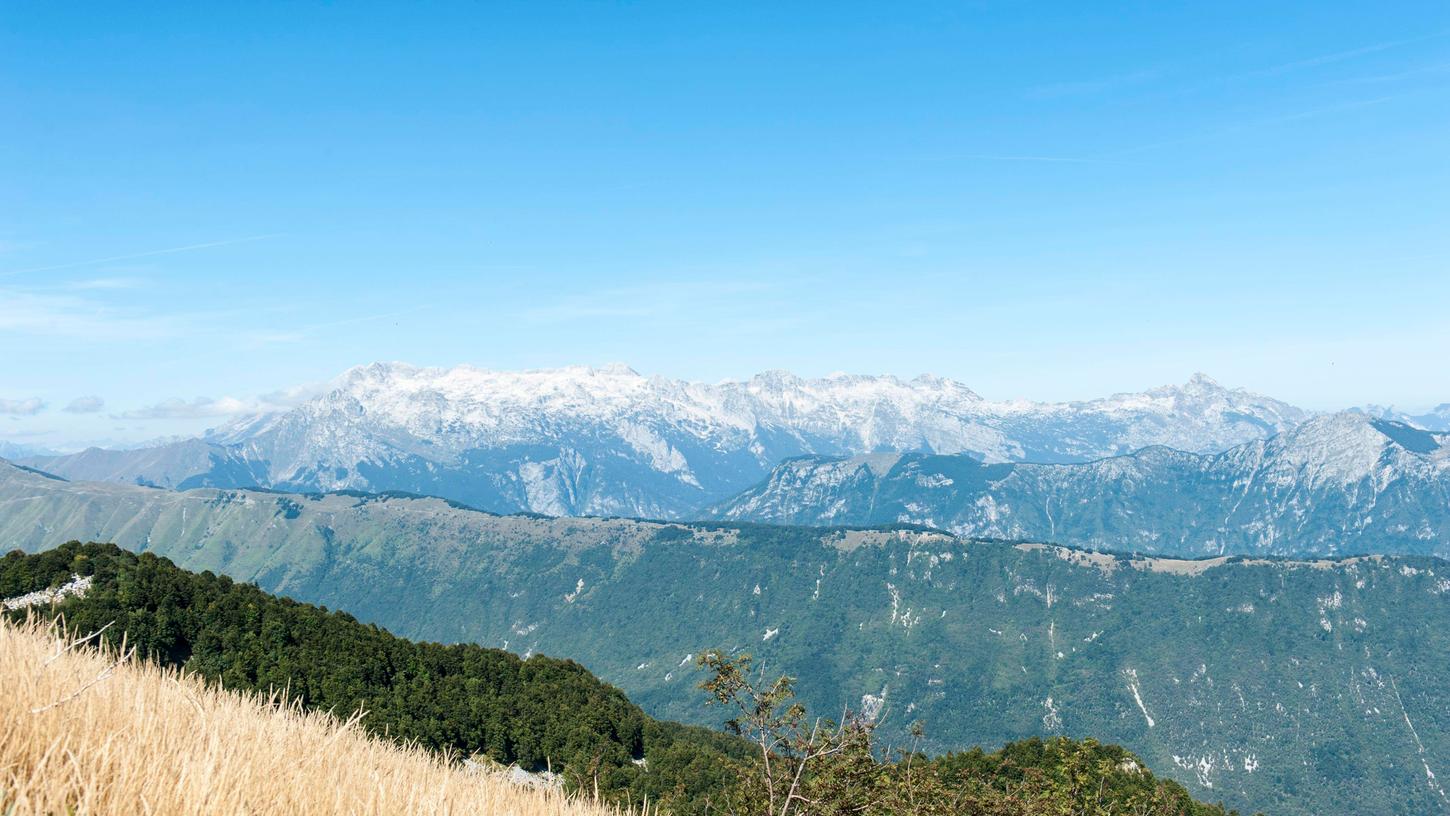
pixel 608 441
pixel 1337 484
pixel 1289 686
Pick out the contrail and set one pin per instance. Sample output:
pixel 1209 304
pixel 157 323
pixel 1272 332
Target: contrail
pixel 152 253
pixel 1054 159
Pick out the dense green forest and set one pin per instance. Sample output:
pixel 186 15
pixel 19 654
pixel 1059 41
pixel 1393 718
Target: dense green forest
pixel 548 713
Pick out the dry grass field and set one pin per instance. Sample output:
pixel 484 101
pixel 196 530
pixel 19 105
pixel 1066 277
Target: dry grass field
pixel 86 732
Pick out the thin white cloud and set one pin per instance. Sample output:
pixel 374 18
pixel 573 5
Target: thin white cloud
pixel 199 408
pixel 222 407
pixel 647 301
pixel 1242 127
pixel 1051 159
pixel 1096 85
pixel 149 254
pixel 104 284
pixel 47 314
pixel 1396 76
pixel 29 406
pixel 272 337
pixel 289 397
pixel 85 405
pixel 1339 56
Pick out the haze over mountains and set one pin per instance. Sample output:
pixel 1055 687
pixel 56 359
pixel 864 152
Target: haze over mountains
pixel 612 442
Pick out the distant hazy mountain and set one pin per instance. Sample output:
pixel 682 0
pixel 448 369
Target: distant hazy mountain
pixel 1436 419
pixel 16 450
pixel 1290 687
pixel 180 465
pixel 1338 484
pixel 612 442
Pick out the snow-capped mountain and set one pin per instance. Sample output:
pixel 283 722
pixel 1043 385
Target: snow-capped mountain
pixel 610 441
pixel 1338 484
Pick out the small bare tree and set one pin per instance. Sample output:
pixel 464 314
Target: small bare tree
pixel 768 715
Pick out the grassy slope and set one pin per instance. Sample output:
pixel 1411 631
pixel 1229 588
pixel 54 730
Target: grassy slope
pixel 86 734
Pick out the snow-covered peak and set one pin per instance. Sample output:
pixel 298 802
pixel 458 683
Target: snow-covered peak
pixel 861 412
pixel 568 436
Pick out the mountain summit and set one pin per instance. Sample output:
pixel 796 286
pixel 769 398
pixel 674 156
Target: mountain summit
pixel 610 441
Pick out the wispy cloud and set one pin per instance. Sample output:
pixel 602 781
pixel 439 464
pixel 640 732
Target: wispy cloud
pixel 1394 76
pixel 1241 127
pixel 199 408
pixel 222 407
pixel 1084 87
pixel 29 406
pixel 281 336
pixel 290 397
pixel 1046 159
pixel 1338 56
pixel 671 298
pixel 148 254
pixel 49 314
pixel 85 405
pixel 103 284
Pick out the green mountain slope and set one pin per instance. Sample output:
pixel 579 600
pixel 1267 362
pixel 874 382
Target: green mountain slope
pixel 538 712
pixel 1292 687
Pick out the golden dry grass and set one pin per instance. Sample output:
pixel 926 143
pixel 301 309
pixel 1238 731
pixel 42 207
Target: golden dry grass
pixel 83 732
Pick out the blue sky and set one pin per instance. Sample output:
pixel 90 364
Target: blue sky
pixel 1045 200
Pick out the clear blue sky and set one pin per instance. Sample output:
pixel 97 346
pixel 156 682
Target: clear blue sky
pixel 1046 200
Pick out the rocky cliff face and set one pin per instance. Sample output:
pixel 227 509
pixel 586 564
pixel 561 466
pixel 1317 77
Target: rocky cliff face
pixel 1337 484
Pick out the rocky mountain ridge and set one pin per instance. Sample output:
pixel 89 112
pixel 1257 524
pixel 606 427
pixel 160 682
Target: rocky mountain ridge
pixel 1336 485
pixel 610 441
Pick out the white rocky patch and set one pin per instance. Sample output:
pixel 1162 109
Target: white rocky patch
pixel 76 586
pixel 1430 779
pixel 872 705
pixel 1052 720
pixel 578 588
pixel 1132 675
pixel 1325 604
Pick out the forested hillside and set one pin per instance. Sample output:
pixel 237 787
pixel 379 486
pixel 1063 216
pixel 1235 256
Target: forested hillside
pixel 540 712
